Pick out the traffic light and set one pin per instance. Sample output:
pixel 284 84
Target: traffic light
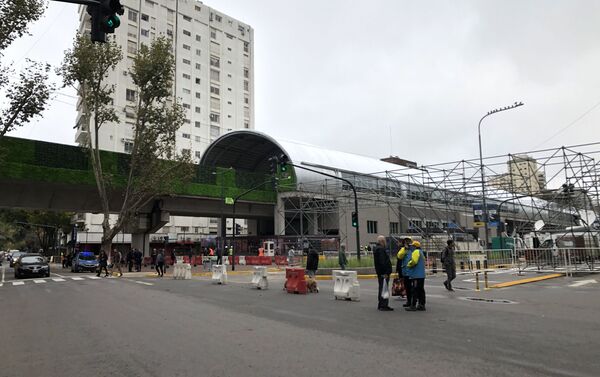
pixel 104 18
pixel 355 219
pixel 283 163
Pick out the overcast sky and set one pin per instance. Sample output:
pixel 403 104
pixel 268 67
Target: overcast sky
pixel 410 78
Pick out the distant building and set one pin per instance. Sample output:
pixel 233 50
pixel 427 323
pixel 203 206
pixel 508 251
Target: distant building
pixel 214 80
pixel 524 176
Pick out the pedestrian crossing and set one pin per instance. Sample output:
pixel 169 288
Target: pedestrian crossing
pixel 63 279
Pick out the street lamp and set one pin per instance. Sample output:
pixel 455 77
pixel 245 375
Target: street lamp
pixel 485 212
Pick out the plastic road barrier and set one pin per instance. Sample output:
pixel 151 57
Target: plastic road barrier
pixel 259 277
pixel 345 285
pixel 182 271
pixel 242 260
pixel 219 274
pixel 295 281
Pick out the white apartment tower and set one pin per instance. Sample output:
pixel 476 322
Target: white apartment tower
pixel 214 80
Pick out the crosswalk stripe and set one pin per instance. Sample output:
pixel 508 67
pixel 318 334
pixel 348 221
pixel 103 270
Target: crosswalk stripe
pixel 76 278
pixel 39 281
pixel 18 283
pixel 94 277
pixel 58 279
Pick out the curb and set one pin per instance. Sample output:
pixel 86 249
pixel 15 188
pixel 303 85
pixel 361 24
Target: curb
pixel 526 281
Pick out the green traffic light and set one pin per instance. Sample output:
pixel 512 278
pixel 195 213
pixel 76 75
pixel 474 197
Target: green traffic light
pixel 112 22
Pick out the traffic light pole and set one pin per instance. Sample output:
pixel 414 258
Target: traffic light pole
pixel 355 200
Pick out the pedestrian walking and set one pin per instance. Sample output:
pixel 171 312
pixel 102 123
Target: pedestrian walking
pixel 160 263
pixel 342 260
pixel 404 256
pixel 137 256
pixel 102 263
pixel 449 265
pixel 312 262
pixel 116 261
pixel 219 255
pixel 416 271
pixel 383 268
pixel 130 260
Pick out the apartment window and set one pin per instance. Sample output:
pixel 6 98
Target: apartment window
pixel 215 103
pixel 198 139
pixel 246 100
pixel 198 80
pixel 229 116
pixel 197 124
pixel 186 136
pixel 187 47
pixel 215 131
pixel 149 4
pixel 246 72
pixel 128 146
pixel 246 124
pixel 214 117
pixel 218 18
pixel 197 94
pixel 198 155
pixel 246 112
pixel 186 76
pixel 187 61
pixel 186 151
pixel 229 102
pixel 186 105
pixel 228 48
pixel 145 17
pixel 214 90
pixel 198 38
pixel 170 34
pixel 186 91
pixel 130 95
pixel 185 228
pixel 186 18
pixel 131 31
pixel 214 61
pixel 129 114
pixel 229 35
pixel 132 15
pixel 371 226
pixel 186 121
pixel 394 228
pixel 186 32
pixel 198 66
pixel 246 47
pixel 214 75
pixel 145 32
pixel 131 47
pixel 197 109
pixel 229 75
pixel 213 33
pixel 246 85
pixel 198 52
pixel 198 9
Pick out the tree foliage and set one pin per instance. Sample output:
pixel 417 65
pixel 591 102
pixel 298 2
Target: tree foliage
pixel 155 167
pixel 26 96
pixel 35 230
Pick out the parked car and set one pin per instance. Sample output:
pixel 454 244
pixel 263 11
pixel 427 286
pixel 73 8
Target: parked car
pixel 84 261
pixel 14 257
pixel 31 265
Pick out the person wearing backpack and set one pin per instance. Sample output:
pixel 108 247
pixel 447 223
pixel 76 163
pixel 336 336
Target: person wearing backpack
pixel 449 265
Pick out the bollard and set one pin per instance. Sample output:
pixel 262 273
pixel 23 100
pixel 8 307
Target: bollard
pixel 462 265
pixel 478 264
pixel 477 281
pixel 485 265
pixel 485 280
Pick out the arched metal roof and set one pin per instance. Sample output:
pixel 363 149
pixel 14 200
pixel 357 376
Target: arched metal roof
pixel 250 150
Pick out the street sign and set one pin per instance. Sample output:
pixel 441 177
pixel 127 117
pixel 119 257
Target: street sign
pixel 229 200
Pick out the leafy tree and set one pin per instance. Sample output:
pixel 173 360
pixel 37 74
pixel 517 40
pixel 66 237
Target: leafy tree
pixel 25 97
pixel 155 168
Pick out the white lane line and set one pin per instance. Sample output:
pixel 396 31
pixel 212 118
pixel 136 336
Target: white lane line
pixel 18 283
pixel 143 282
pixel 39 281
pixel 76 278
pixel 3 272
pixel 93 277
pixel 583 282
pixel 58 279
pixel 59 275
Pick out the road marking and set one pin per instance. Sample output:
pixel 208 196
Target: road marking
pixel 143 282
pixel 18 283
pixel 76 278
pixel 583 282
pixel 39 281
pixel 481 280
pixel 58 279
pixel 3 271
pixel 94 277
pixel 59 275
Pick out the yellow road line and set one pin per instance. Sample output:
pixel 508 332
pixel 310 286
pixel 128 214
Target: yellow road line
pixel 525 281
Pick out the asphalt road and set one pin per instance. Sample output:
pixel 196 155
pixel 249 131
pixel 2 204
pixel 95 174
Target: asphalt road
pixel 142 326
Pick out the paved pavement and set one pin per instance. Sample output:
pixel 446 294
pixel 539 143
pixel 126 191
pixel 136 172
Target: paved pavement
pixel 142 326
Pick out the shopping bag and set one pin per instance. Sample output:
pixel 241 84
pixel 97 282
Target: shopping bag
pixel 398 287
pixel 385 290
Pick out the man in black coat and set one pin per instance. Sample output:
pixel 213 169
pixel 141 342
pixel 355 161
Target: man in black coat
pixel 383 268
pixel 312 262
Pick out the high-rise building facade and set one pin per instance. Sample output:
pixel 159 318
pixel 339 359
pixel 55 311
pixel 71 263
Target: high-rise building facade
pixel 524 176
pixel 214 81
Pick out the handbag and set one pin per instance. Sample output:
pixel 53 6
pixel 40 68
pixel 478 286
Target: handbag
pixel 385 290
pixel 398 287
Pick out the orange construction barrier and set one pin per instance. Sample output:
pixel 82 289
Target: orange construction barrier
pixel 265 261
pixel 295 281
pixel 197 260
pixel 281 261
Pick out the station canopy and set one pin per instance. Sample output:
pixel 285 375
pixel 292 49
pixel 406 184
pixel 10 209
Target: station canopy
pixel 249 150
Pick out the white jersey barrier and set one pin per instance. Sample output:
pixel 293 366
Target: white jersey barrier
pixel 219 274
pixel 182 271
pixel 259 277
pixel 242 260
pixel 345 285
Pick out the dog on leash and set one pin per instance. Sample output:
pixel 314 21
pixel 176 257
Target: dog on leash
pixel 311 285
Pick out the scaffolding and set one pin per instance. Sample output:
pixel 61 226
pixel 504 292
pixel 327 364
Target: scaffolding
pixel 557 186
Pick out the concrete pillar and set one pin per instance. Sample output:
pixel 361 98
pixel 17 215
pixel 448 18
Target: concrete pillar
pixel 279 217
pixel 141 241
